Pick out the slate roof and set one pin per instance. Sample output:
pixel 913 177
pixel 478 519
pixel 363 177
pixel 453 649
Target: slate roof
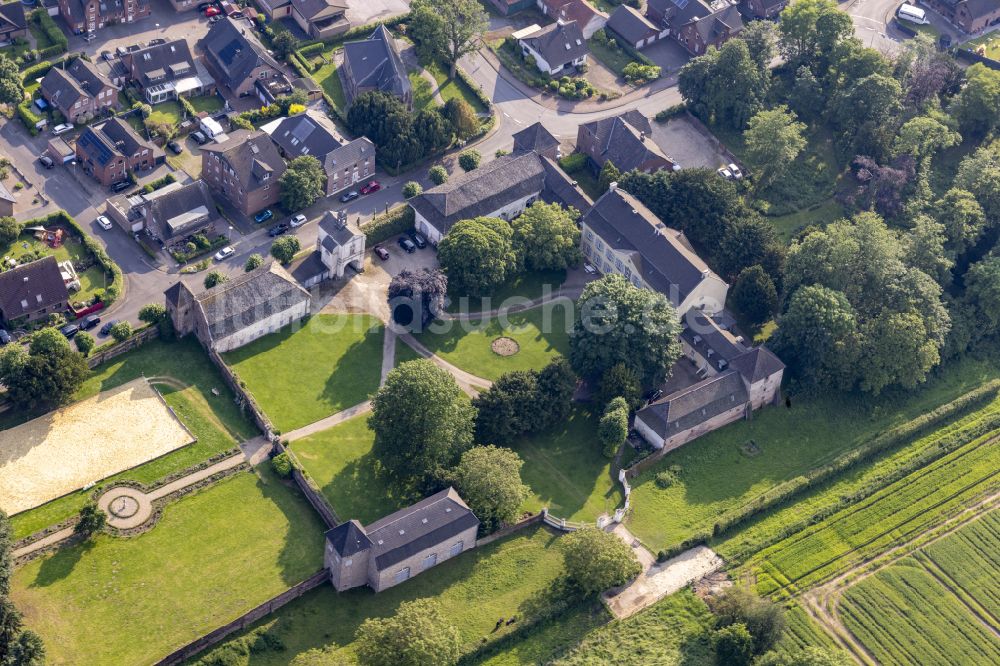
pixel 534 137
pixel 312 10
pixel 563 190
pixel 375 63
pixel 757 364
pixel 335 231
pixel 12 17
pixel 558 43
pixel 430 522
pixel 350 153
pixel 481 191
pixel 235 51
pixel 251 155
pixel 679 12
pixel 661 254
pixel 184 209
pixel 710 27
pixel 713 342
pixel 30 287
pixel 348 538
pixel 695 404
pixel 308 134
pixel 88 76
pixel 61 89
pixel 249 298
pixel 625 140
pixel 163 62
pixel 110 139
pixel 631 25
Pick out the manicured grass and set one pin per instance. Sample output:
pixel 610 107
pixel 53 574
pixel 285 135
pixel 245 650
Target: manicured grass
pixel 526 286
pixel 92 280
pixel 613 60
pixel 215 421
pixel 404 353
pixel 513 576
pixel 206 103
pixel 304 373
pixel 211 557
pixel 541 332
pixel 327 77
pixel 167 112
pixel 339 460
pixel 567 472
pixel 423 92
pixel 455 88
pixel 791 442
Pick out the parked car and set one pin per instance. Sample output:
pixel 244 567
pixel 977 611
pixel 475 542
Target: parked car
pixel 108 55
pixel 157 41
pixel 297 221
pixel 944 42
pixel 46 161
pixel 89 322
pixel 62 128
pixel 175 148
pixel 725 172
pixel 263 216
pixel 418 239
pixel 199 138
pixel 407 245
pixel 4 337
pixel 212 11
pixel 104 222
pixel 277 230
pixel 735 170
pixel 69 330
pixel 89 37
pixel 590 270
pixel 372 186
pixel 224 253
pixel 121 186
pixel 108 325
pixel 350 196
pixel 381 252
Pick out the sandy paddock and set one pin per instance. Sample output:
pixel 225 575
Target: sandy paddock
pixel 85 442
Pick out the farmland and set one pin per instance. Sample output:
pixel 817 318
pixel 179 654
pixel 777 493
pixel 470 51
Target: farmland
pixel 970 559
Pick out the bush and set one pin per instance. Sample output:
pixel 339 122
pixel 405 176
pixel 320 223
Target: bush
pixel 438 174
pixel 411 189
pixel 282 465
pixel 665 479
pixel 160 182
pixel 573 162
pixel 121 331
pixel 383 227
pixel 635 71
pixel 671 112
pixel 469 160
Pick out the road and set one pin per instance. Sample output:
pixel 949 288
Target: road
pixel 874 25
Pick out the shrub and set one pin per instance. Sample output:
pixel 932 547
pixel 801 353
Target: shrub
pixel 469 160
pixel 282 465
pixel 121 331
pixel 665 479
pixel 411 189
pixel 573 162
pixel 438 174
pixel 383 227
pixel 635 71
pixel 671 112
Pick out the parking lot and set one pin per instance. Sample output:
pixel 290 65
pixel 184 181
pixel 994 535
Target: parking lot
pixel 684 142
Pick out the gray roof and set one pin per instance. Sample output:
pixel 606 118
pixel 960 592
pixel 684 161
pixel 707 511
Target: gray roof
pixel 12 17
pixel 252 156
pixel 249 298
pixel 559 43
pixel 709 339
pixel 625 140
pixel 661 254
pixel 350 153
pixel 5 194
pixel 336 231
pixel 61 89
pixel 303 134
pixel 679 12
pixel 428 523
pixel 534 137
pixel 563 190
pixel 481 191
pixel 162 62
pixel 184 209
pixel 712 26
pixel 236 51
pixel 631 25
pixel 348 538
pixel 757 364
pixel 88 76
pixel 312 10
pixel 375 63
pixel 110 139
pixel 695 404
pixel 31 287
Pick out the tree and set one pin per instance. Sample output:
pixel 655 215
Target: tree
pixel 807 97
pixel 866 114
pixel 422 423
pixel 411 189
pixel 618 322
pixel 433 130
pixel 977 107
pixel 421 292
pixel 121 331
pixel 455 26
pixel 48 373
pixel 302 184
pixel 810 656
pixel 478 255
pixel 10 625
pixel 925 248
pixel 725 85
pixel 284 43
pixel 26 650
pixel 982 289
pixel 254 261
pixel 417 635
pixel 979 173
pixel 774 139
pixel 215 278
pixel 733 646
pixel 489 480
pixel 754 296
pixel 462 117
pixel 91 520
pixel 438 174
pixel 963 219
pixel 809 30
pixel 750 241
pixel 612 430
pixel 152 313
pixel 763 619
pixel 11 84
pixel 84 343
pixel 609 174
pixel 597 560
pixel 285 248
pixel 762 42
pixel 386 121
pixel 469 160
pixel 546 237
pixel 556 386
pixel 10 229
pixel 508 409
pixel 619 381
pixel 6 561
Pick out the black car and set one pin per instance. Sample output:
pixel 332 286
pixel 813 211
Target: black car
pixel 407 245
pixel 175 148
pixel 106 329
pixel 120 186
pixel 277 230
pixel 89 322
pixel 107 55
pixel 944 42
pixel 69 330
pixel 46 161
pixel 199 138
pixel 4 337
pixel 418 239
pixel 350 196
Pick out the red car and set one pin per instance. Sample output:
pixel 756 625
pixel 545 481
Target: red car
pixel 373 186
pixel 381 252
pixel 212 11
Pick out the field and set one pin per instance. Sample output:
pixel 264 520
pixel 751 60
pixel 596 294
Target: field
pixel 541 333
pixel 513 576
pixel 304 373
pixel 215 421
pixel 970 559
pixel 58 453
pixel 92 280
pixel 212 556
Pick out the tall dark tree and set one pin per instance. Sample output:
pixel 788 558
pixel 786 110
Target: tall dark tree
pixel 546 237
pixel 977 107
pixel 11 84
pixel 754 296
pixel 508 409
pixel 432 130
pixel 478 255
pixel 489 480
pixel 751 241
pixel 49 374
pixel 556 386
pixel 302 184
pixel 417 298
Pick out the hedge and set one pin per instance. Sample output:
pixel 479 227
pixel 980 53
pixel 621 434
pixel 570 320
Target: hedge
pixel 28 116
pixel 38 70
pixel 317 47
pixel 383 227
pixel 159 182
pixel 475 88
pixel 113 291
pixel 48 26
pixel 573 162
pixel 671 112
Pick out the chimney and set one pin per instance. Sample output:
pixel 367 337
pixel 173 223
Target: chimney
pixel 642 137
pixel 613 186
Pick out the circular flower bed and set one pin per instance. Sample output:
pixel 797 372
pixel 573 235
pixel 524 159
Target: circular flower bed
pixel 505 346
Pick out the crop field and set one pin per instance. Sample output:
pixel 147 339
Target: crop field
pixel 969 559
pixel 802 632
pixel 904 616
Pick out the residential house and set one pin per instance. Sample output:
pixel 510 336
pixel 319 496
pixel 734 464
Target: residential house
pixel 345 163
pixel 7 202
pixel 765 9
pixel 184 5
pixel 275 10
pixel 535 138
pixel 177 211
pixel 13 23
pixel 320 19
pixel 32 291
pixel 620 235
pixel 624 140
pixel 970 16
pixel 508 7
pixel 108 151
pixel 167 71
pixel 244 170
pixel 91 15
pixel 401 545
pixel 340 244
pixel 374 64
pixel 588 19
pixel 79 91
pixel 696 24
pixel 634 29
pixel 556 47
pixel 237 312
pixel 238 61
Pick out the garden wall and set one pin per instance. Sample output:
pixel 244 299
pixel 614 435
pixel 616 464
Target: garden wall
pixel 139 338
pixel 233 381
pixel 245 620
pixel 316 499
pixel 972 56
pixel 510 529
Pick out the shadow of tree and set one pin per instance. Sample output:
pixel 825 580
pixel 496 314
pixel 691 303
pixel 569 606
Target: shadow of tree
pixel 60 564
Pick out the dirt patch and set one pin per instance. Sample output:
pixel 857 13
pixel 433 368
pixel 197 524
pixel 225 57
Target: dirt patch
pixel 505 346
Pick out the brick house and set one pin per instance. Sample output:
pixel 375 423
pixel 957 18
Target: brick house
pixel 374 64
pixel 696 24
pixel 320 19
pixel 635 29
pixel 13 23
pixel 625 141
pixel 32 291
pixel 80 92
pixel 108 151
pixel 764 9
pixel 970 16
pixel 586 17
pixel 90 15
pixel 237 60
pixel 244 170
pixel 166 71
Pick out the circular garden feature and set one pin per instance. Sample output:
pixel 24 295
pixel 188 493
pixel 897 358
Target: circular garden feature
pixel 504 346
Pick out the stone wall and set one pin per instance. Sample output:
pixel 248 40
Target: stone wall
pixel 139 338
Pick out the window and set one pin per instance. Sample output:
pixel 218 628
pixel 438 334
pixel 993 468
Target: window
pixel 590 235
pixel 600 245
pixel 456 548
pixel 618 264
pixel 430 561
pixel 402 575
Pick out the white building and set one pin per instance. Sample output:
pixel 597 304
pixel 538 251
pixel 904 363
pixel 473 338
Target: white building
pixel 557 47
pixel 340 244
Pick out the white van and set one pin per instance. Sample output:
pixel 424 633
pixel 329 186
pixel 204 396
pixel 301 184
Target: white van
pixel 912 14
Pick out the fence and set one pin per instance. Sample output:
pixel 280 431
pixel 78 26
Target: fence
pixel 245 620
pixel 510 529
pixel 139 338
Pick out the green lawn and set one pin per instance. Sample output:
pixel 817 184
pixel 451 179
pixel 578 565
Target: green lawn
pixel 27 248
pixel 423 92
pixel 327 77
pixel 717 477
pixel 215 420
pixel 212 556
pixel 404 353
pixel 613 60
pixel 167 112
pixel 567 472
pixel 513 576
pixel 302 374
pixel 454 88
pixel 339 460
pixel 206 103
pixel 819 215
pixel 990 42
pixel 529 286
pixel 542 334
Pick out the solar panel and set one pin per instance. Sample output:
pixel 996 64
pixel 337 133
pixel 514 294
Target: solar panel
pixel 680 4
